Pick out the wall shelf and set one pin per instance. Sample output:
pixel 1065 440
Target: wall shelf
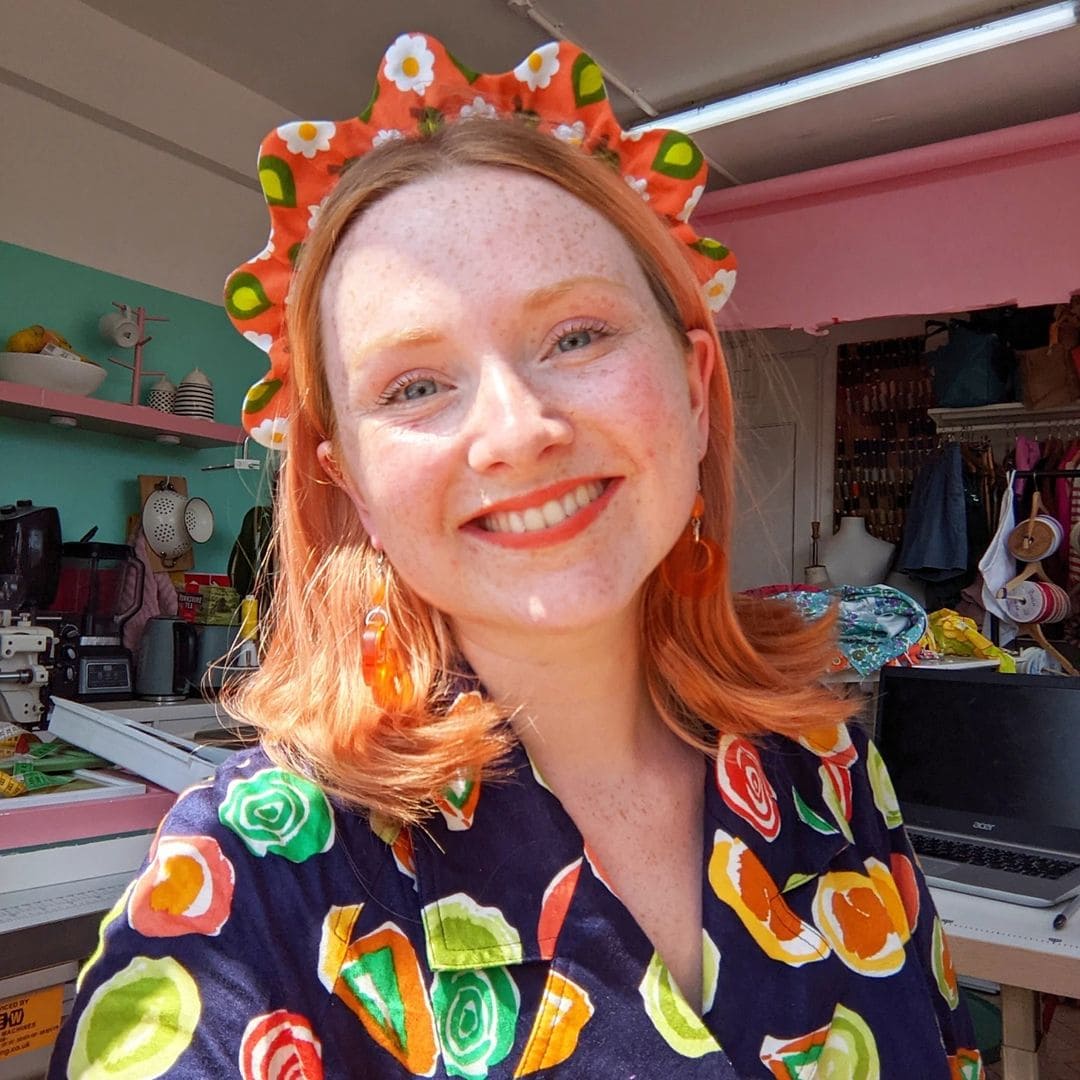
pixel 1006 416
pixel 114 417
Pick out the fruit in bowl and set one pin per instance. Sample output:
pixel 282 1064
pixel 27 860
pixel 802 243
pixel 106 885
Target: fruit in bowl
pixel 60 370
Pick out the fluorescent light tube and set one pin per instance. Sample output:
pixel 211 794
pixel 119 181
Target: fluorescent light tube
pixel 937 50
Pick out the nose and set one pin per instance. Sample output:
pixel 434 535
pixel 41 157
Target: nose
pixel 511 423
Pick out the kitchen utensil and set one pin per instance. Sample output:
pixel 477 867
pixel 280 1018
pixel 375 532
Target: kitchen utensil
pixel 119 328
pixel 166 669
pixel 172 522
pixel 100 589
pixel 199 520
pixel 29 555
pixel 58 373
pixel 162 395
pixel 195 396
pixel 163 522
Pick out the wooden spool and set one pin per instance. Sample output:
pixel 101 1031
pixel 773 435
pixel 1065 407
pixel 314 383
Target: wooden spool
pixel 1033 540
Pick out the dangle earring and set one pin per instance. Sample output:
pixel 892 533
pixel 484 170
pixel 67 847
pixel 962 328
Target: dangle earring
pixel 385 671
pixel 692 567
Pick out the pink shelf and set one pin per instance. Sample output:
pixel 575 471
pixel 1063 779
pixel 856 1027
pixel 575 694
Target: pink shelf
pixel 117 418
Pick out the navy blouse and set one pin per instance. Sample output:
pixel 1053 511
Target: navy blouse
pixel 275 934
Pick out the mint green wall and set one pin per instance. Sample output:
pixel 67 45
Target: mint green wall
pixel 90 476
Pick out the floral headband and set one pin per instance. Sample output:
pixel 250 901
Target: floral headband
pixel 420 86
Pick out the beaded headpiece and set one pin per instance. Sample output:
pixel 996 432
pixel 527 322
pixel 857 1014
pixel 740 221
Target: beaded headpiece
pixel 420 86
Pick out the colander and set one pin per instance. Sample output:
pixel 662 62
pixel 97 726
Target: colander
pixel 171 522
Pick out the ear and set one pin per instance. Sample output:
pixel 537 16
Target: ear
pixel 329 465
pixel 701 358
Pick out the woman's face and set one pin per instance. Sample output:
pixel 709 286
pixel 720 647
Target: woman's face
pixel 518 427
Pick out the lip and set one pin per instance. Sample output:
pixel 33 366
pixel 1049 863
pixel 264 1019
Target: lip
pixel 556 534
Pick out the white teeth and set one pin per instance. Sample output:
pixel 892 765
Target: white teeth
pixel 553 512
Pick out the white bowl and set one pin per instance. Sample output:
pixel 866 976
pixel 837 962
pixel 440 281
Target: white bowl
pixel 51 372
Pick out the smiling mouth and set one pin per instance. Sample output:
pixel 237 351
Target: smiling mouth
pixel 548 515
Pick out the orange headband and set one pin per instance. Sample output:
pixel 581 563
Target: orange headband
pixel 557 86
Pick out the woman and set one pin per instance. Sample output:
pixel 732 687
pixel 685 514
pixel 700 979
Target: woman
pixel 518 742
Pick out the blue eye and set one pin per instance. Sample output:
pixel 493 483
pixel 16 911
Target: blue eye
pixel 420 388
pixel 576 339
pixel 410 387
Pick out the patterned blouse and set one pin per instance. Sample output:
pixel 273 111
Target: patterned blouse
pixel 274 935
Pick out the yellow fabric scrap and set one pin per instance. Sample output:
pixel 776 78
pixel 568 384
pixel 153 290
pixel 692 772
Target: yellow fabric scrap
pixel 952 634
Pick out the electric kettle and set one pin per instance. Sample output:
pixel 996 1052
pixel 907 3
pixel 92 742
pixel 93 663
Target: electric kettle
pixel 168 660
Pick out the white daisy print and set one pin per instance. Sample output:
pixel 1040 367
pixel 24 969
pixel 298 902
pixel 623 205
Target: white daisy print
pixel 385 135
pixel 538 67
pixel 266 251
pixel 571 133
pixel 479 108
pixel 691 203
pixel 307 137
pixel 313 214
pixel 261 341
pixel 718 288
pixel 271 433
pixel 410 63
pixel 630 136
pixel 639 184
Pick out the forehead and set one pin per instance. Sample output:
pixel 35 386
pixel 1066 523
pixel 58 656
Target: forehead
pixel 484 228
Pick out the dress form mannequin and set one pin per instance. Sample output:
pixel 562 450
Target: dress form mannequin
pixel 854 557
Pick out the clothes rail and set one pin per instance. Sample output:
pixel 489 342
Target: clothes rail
pixel 1049 474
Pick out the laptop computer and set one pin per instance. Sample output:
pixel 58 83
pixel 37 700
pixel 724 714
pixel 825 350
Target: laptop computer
pixel 987 772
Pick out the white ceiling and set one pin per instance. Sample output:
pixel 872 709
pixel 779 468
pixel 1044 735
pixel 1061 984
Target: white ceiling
pixel 318 60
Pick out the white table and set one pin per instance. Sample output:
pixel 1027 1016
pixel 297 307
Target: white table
pixel 1017 948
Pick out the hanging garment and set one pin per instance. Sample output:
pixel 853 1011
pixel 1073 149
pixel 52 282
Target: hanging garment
pixel 935 547
pixel 998 567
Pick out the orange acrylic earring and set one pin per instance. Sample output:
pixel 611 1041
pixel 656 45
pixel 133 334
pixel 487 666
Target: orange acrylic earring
pixel 692 567
pixel 385 671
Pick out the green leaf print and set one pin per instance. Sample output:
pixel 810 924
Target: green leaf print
pixel 245 297
pixel 815 821
pixel 713 249
pixel 850 1052
pixel 137 1023
pixel 881 785
pixel 679 1026
pixel 678 156
pixel 260 395
pixel 277 181
pixel 276 812
pixel 588 81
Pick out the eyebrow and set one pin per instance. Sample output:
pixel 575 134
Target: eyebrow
pixel 406 337
pixel 547 293
pixel 409 337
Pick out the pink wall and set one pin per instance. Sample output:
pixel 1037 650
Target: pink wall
pixel 975 222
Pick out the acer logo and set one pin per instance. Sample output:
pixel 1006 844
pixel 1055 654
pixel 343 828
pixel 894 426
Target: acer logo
pixel 984 825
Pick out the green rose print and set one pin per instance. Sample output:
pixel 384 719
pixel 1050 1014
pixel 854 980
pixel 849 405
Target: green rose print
pixel 476 1013
pixel 276 812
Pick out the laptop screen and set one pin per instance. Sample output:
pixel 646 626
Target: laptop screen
pixel 985 755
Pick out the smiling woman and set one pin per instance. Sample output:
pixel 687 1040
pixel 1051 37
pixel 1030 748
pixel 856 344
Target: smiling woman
pixel 534 790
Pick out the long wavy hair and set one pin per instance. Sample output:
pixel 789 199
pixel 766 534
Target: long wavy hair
pixel 722 664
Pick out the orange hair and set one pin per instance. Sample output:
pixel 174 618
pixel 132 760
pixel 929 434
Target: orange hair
pixel 719 664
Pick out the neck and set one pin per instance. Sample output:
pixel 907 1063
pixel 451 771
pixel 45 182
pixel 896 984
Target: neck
pixel 852 524
pixel 581 696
